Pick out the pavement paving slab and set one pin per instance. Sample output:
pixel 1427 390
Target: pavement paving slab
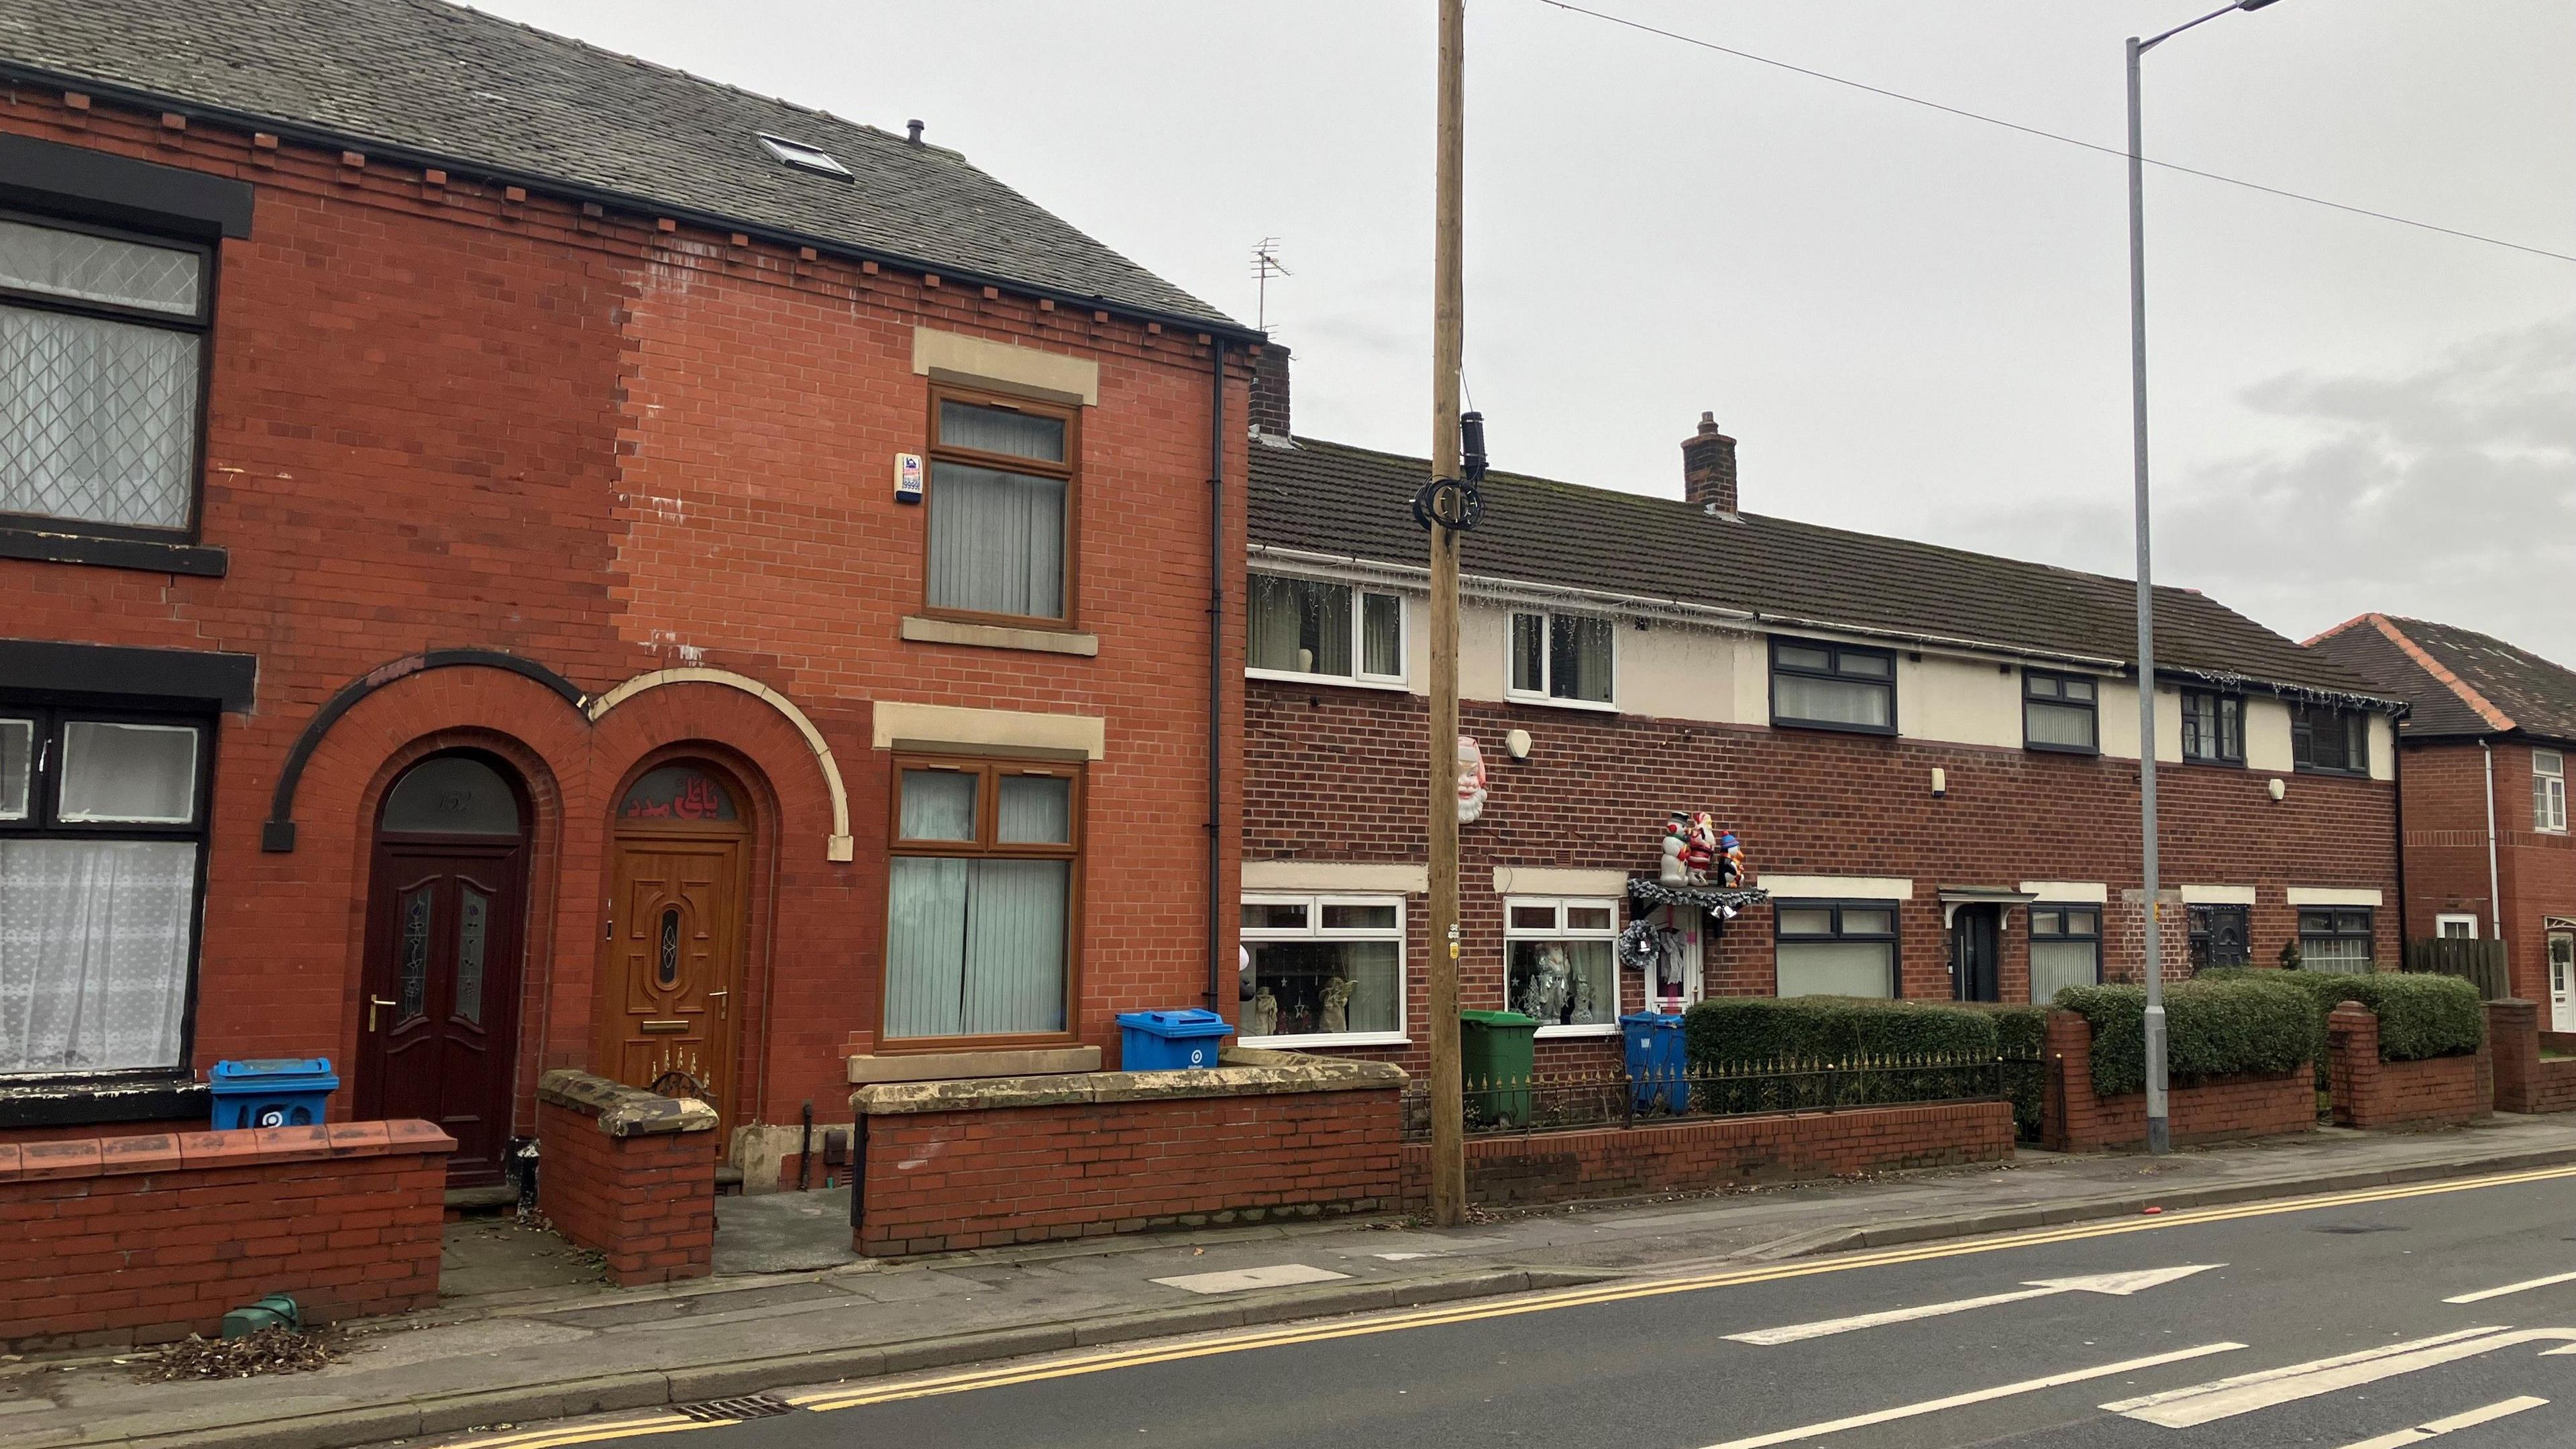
pixel 520 1351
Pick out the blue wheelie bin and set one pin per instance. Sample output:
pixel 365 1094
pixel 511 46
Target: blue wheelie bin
pixel 1169 1041
pixel 1656 1064
pixel 272 1092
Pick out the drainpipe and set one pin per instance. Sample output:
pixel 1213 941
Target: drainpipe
pixel 1216 671
pixel 2397 784
pixel 2495 893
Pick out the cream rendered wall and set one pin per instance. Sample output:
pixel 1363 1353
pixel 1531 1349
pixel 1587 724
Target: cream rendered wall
pixel 1675 671
pixel 2267 736
pixel 1958 701
pixel 2119 706
pixel 1484 635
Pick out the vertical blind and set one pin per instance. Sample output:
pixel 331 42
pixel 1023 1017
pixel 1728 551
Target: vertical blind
pixel 976 947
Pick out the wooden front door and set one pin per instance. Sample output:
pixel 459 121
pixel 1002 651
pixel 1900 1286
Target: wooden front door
pixel 438 1015
pixel 671 1001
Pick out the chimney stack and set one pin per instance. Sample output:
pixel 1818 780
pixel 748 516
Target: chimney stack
pixel 1270 391
pixel 1708 467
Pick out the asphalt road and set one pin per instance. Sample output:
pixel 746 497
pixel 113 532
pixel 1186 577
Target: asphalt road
pixel 1748 1364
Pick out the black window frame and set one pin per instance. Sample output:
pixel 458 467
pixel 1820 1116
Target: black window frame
pixel 2339 927
pixel 2223 707
pixel 1894 935
pixel 201 326
pixel 2061 909
pixel 61 1098
pixel 2031 679
pixel 2356 727
pixel 1832 675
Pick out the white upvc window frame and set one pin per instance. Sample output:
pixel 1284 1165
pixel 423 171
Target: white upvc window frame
pixel 1359 677
pixel 1513 693
pixel 1560 931
pixel 2443 923
pixel 2549 791
pixel 1315 930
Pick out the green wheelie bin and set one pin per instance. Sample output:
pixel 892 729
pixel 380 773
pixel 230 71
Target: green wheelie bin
pixel 1497 1055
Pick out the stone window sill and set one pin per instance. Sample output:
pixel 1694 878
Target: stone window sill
pixel 922 629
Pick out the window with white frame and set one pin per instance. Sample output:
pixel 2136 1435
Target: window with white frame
pixel 2336 940
pixel 1834 948
pixel 2065 949
pixel 102 819
pixel 1561 658
pixel 1561 963
pixel 2549 791
pixel 2461 927
pixel 1323 969
pixel 1319 628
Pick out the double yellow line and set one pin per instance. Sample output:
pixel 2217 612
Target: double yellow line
pixel 566 1434
pixel 1399 1321
pixel 1623 1291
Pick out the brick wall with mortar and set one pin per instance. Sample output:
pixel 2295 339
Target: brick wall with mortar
pixel 943 1181
pixel 2368 1092
pixel 2445 785
pixel 1335 774
pixel 2074 1119
pixel 1553 1167
pixel 644 1202
pixel 151 1237
pixel 2526 1081
pixel 444 415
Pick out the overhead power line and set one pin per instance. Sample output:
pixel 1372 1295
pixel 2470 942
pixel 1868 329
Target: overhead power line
pixel 2046 135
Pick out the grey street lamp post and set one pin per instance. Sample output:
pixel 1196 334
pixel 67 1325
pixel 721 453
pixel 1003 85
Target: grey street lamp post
pixel 2159 1123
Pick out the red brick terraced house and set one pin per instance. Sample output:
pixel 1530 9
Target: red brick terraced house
pixel 2483 780
pixel 516 557
pixel 1929 756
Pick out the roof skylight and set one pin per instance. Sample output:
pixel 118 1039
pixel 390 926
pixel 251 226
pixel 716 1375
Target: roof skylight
pixel 797 153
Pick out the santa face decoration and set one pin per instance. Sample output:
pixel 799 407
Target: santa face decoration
pixel 1471 780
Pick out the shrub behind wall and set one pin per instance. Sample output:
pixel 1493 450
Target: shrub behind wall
pixel 2212 1029
pixel 2420 1016
pixel 1736 1031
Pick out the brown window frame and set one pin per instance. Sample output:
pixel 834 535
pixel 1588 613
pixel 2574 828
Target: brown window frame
pixel 1070 471
pixel 989 770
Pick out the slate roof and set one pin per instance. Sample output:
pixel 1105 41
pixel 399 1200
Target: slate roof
pixel 2463 683
pixel 452 85
pixel 1329 498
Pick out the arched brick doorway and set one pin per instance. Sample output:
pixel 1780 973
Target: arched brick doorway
pixel 446 911
pixel 679 916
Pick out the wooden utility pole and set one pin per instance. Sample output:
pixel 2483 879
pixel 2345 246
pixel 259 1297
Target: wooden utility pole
pixel 1448 343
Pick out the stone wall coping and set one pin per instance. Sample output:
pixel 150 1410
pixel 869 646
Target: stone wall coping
pixel 1245 1072
pixel 623 1111
pixel 84 1157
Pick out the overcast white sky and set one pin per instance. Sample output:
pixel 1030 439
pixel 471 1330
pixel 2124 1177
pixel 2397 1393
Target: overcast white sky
pixel 1916 324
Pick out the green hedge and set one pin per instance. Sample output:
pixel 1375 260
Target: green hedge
pixel 2020 1034
pixel 2420 1016
pixel 2212 1029
pixel 1738 1031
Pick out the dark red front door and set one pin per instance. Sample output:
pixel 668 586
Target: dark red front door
pixel 441 993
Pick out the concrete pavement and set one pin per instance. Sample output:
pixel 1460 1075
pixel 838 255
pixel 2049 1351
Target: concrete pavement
pixel 542 1352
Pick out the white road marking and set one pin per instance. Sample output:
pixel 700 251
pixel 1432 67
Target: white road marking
pixel 2484 1294
pixel 1975 1396
pixel 2117 1284
pixel 1237 1280
pixel 2439 1427
pixel 2206 1403
pixel 1399 1257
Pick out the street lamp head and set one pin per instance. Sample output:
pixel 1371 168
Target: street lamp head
pixel 2254 4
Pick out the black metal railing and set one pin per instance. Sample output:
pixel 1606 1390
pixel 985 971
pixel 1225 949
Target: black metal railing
pixel 1551 1100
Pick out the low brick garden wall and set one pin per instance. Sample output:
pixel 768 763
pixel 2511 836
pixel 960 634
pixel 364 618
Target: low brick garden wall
pixel 2074 1119
pixel 2368 1092
pixel 2526 1081
pixel 149 1237
pixel 972 1163
pixel 1505 1170
pixel 629 1174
